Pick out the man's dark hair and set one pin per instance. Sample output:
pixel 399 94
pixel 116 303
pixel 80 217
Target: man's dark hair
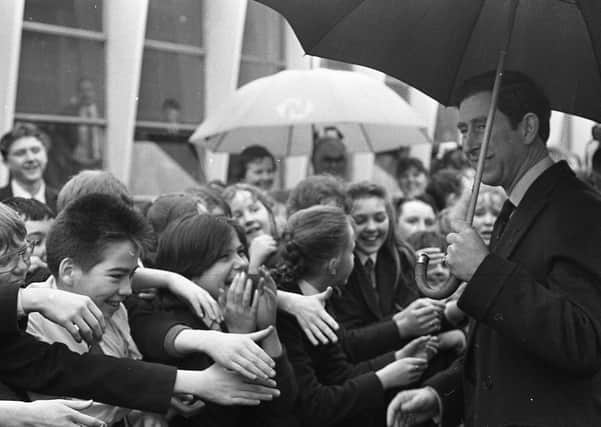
pixel 317 190
pixel 518 95
pixel 251 154
pixel 22 130
pixel 87 225
pixel 29 209
pixel 406 163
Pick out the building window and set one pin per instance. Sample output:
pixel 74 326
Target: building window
pixel 263 44
pixel 171 96
pixel 61 82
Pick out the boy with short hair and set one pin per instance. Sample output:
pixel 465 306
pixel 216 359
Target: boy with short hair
pixel 93 250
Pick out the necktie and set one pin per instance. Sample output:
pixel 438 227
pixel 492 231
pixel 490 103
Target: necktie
pixel 501 222
pixel 369 269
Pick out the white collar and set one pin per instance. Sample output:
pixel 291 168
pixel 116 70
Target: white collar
pixel 19 191
pixel 524 183
pixel 363 257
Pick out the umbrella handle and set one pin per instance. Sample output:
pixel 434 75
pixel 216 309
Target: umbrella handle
pixel 441 292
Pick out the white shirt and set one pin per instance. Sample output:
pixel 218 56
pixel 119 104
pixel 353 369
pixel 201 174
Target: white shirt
pixel 19 191
pixel 116 342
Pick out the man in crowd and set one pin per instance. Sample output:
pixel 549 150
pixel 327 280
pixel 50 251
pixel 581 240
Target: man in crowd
pixel 25 153
pixel 534 294
pixel 329 154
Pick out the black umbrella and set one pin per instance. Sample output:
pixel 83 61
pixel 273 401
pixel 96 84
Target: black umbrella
pixel 435 45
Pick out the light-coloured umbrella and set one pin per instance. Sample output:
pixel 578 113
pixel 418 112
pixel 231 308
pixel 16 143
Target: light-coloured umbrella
pixel 281 111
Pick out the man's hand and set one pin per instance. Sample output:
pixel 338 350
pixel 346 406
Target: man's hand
pixel 76 313
pixel 411 407
pixel 218 385
pixel 466 250
pixel 421 317
pixel 310 312
pixel 47 413
pixel 240 305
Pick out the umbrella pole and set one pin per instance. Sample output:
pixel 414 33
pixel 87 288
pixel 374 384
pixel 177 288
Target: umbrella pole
pixel 447 288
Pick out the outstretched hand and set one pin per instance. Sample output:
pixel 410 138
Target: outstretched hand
pixel 412 407
pixel 315 321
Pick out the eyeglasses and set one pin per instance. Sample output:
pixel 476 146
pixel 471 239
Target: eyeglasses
pixel 10 260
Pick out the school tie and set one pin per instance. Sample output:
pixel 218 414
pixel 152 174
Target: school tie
pixel 501 222
pixel 369 270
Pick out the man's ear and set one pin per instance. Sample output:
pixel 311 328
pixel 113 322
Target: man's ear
pixel 67 272
pixel 529 127
pixel 333 266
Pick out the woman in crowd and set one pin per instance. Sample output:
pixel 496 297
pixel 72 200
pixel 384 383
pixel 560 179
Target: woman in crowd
pixel 415 214
pixel 380 300
pixel 317 251
pixel 412 176
pixel 257 167
pixel 210 251
pixel 490 202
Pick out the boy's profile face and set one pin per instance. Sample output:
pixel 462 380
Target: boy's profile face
pixel 14 262
pixel 108 282
pixel 37 231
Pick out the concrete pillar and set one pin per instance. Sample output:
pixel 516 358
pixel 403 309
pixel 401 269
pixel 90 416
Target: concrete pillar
pixel 11 23
pixel 125 28
pixel 224 29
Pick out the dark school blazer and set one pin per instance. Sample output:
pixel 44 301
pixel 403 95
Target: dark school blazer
pixel 51 195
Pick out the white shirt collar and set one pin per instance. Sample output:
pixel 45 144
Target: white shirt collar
pixel 522 186
pixel 363 257
pixel 19 191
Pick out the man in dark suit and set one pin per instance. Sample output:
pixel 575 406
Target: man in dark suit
pixel 25 153
pixel 534 295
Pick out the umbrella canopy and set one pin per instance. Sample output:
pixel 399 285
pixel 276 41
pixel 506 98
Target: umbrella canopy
pixel 281 111
pixel 434 45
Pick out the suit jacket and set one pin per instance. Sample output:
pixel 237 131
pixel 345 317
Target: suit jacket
pixel 28 364
pixel 535 344
pixel 366 312
pixel 51 195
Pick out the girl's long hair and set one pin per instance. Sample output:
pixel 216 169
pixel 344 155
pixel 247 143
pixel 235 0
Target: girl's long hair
pixel 313 236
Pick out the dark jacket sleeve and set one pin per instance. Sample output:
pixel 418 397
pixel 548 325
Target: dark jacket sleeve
pixel 149 327
pixel 449 386
pixel 559 323
pixel 29 364
pixel 370 341
pixel 330 389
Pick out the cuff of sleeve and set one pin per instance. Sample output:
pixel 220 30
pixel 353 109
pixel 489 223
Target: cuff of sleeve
pixel 488 280
pixel 169 342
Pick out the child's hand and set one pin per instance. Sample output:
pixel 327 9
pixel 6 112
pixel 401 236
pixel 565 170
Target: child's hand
pixel 261 248
pixel 402 372
pixel 199 300
pixel 76 313
pixel 424 347
pixel 421 317
pixel 240 353
pixel 453 340
pixel 268 301
pixel 240 305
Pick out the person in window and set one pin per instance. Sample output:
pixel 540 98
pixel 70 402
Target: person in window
pixel 25 152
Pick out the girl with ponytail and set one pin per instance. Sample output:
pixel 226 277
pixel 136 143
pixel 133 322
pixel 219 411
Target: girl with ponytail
pixel 316 251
